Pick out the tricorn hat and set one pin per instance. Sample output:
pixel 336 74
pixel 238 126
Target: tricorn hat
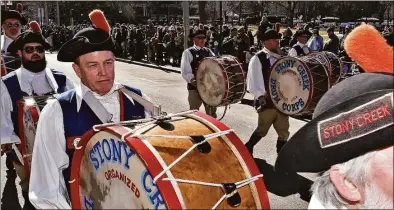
pixel 16 14
pixel 96 38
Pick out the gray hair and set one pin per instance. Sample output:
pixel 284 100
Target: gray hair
pixel 354 169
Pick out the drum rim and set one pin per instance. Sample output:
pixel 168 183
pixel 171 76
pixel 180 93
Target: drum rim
pixel 308 102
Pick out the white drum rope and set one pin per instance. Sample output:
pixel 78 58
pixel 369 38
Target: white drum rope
pixel 238 185
pixel 97 127
pixel 206 137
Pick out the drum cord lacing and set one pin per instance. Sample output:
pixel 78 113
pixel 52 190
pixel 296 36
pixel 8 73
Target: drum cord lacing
pixel 225 196
pixel 150 120
pixel 206 138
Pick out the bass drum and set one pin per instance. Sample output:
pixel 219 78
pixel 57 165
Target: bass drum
pixel 29 109
pixel 186 161
pixel 332 64
pixel 297 84
pixel 221 81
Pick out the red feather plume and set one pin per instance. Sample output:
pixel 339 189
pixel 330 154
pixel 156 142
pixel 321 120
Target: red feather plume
pixel 19 7
pixel 99 21
pixel 35 26
pixel 368 48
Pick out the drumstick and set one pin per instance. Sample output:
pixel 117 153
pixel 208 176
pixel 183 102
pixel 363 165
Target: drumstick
pixel 18 154
pixel 368 48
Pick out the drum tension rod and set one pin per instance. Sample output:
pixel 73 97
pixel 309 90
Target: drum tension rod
pixel 204 148
pixel 232 195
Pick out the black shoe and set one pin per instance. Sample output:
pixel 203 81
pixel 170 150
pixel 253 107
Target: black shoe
pixel 250 148
pixel 279 145
pixel 8 162
pixel 28 205
pixel 254 139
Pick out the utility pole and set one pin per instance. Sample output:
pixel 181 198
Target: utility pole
pixel 57 13
pixel 46 13
pixel 186 27
pixel 221 16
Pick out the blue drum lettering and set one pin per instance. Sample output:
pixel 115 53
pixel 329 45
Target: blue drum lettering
pixel 153 194
pixel 106 150
pixel 88 203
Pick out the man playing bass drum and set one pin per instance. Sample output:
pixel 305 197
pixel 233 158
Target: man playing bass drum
pixel 257 84
pixel 191 58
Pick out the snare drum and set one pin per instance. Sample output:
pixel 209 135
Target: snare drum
pixel 29 109
pixel 158 165
pixel 221 81
pixel 297 84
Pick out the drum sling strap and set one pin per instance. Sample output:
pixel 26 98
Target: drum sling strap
pixel 105 117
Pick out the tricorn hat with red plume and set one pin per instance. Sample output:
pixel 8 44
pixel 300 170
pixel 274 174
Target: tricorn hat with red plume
pixel 96 38
pixel 15 14
pixel 33 35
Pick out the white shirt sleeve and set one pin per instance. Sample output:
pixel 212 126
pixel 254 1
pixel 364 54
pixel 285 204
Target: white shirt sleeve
pixel 47 189
pixel 292 52
pixel 255 80
pixel 7 127
pixel 186 68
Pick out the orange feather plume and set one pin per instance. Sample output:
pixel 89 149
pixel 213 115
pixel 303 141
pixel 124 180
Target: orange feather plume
pixel 19 7
pixel 367 47
pixel 99 21
pixel 35 26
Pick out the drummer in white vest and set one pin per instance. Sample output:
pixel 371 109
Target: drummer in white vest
pixel 191 58
pixel 257 84
pixel 33 78
pixel 300 48
pixel 97 100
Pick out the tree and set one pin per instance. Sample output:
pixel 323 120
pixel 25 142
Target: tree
pixel 201 11
pixel 383 6
pixel 289 6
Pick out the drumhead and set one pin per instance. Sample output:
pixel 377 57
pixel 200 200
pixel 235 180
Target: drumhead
pixel 211 84
pixel 112 176
pixel 290 85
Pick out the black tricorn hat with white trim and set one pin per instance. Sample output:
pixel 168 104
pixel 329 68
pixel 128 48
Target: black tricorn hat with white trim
pixel 351 119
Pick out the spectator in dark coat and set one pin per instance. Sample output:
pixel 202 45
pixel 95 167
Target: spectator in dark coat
pixel 332 45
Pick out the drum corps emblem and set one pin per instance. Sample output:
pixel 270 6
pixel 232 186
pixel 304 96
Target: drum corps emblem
pixel 290 85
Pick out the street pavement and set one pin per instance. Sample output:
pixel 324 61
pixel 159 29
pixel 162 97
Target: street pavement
pixel 168 89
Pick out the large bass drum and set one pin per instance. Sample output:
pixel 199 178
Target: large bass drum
pixel 297 84
pixel 221 81
pixel 186 161
pixel 330 62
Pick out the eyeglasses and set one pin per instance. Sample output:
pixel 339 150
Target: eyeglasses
pixel 29 50
pixel 200 37
pixel 16 25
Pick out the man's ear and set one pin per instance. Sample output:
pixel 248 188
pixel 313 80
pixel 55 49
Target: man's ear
pixel 20 53
pixel 77 70
pixel 344 186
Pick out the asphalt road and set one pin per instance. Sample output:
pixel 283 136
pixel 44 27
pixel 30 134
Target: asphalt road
pixel 169 90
